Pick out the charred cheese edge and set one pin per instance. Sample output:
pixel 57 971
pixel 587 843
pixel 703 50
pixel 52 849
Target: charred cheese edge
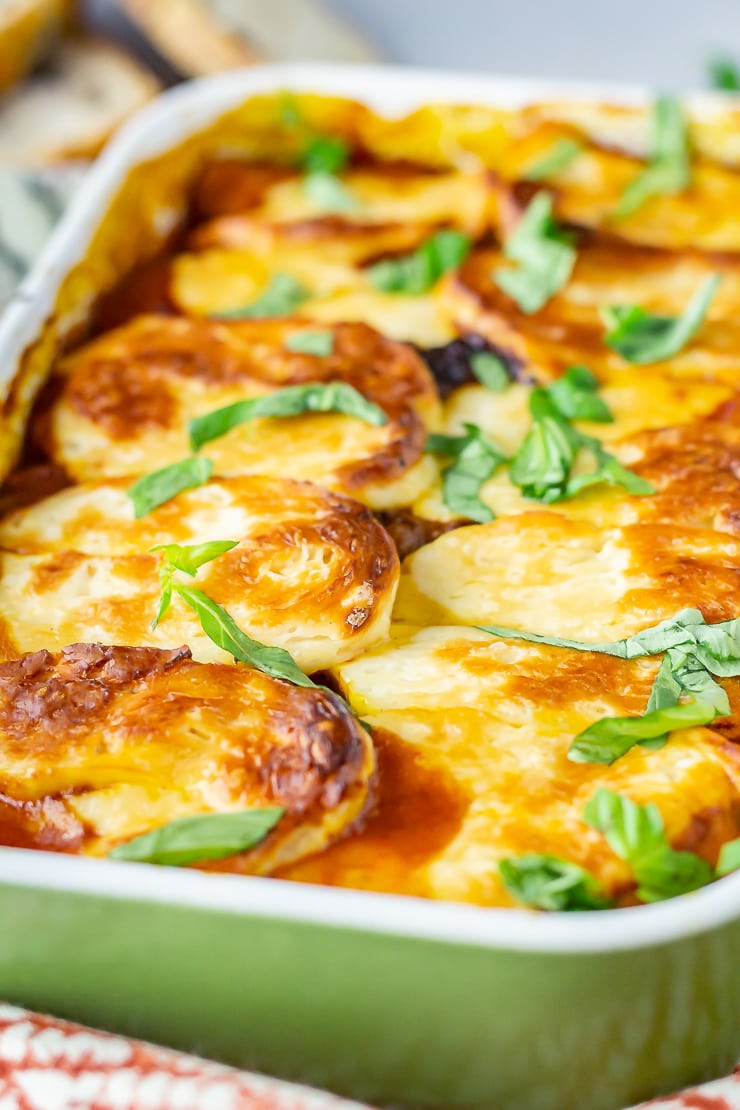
pixel 100 744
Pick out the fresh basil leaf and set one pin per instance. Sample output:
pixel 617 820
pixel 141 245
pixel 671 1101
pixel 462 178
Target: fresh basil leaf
pixel 543 461
pixel 684 628
pixel 288 110
pixel 724 75
pixel 636 834
pixel 553 161
pixel 490 370
pixel 575 395
pixel 282 297
pixel 544 253
pixel 642 338
pixel 695 680
pixel 669 164
pixel 293 400
pixel 666 689
pixel 221 627
pixel 189 558
pixel 418 272
pixel 325 154
pixel 608 470
pixel 165 592
pixel 311 341
pixel 550 883
pixel 206 836
pixel 326 191
pixel 476 459
pixel 612 737
pixel 161 486
pixel 729 858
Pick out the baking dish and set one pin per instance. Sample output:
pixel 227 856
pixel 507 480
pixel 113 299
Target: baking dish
pixel 394 1000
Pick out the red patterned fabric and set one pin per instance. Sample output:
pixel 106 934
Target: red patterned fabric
pixel 47 1064
pixel 53 1065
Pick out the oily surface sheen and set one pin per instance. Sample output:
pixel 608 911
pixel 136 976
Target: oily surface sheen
pixel 99 744
pixel 358 550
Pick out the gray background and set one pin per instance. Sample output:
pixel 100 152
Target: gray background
pixel 666 43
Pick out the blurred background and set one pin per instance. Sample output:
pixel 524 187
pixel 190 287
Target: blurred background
pixel 71 71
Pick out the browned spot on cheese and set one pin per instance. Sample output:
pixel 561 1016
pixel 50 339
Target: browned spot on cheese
pixel 227 187
pixel 146 288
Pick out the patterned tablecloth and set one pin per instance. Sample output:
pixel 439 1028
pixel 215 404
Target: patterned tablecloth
pixel 51 1065
pixel 47 1064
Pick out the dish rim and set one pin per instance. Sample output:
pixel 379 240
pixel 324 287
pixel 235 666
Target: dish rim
pixel 169 119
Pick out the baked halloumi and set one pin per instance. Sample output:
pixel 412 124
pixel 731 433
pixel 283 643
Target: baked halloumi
pixel 101 744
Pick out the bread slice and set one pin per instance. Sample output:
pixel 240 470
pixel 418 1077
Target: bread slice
pixel 208 36
pixel 71 109
pixel 27 30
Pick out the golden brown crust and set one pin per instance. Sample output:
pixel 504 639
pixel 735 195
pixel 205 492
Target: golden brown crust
pixel 135 379
pixel 100 720
pixel 312 572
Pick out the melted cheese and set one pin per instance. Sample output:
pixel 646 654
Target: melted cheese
pixel 313 573
pixel 497 718
pixel 98 745
pixel 127 399
pixel 540 572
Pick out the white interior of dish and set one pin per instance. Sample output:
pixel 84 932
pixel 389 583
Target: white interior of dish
pixel 170 119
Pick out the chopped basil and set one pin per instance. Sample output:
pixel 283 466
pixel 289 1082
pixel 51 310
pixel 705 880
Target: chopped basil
pixel 282 296
pixel 290 401
pixel 543 461
pixel 325 154
pixel 418 272
pixel 637 835
pixel 550 883
pixel 669 165
pixel 187 558
pixel 315 341
pixel 553 161
pixel 717 646
pixel 642 338
pixel 475 460
pixel 206 836
pixel 221 627
pixel 729 857
pixel 612 737
pixel 545 255
pixel 724 74
pixel 326 191
pixel 575 395
pixel 490 370
pixel 162 485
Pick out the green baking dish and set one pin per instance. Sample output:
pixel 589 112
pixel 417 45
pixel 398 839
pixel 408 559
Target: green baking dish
pixel 393 1000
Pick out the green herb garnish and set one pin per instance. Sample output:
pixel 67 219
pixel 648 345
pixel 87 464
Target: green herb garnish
pixel 553 161
pixel 315 341
pixel 325 154
pixel 283 296
pixel 550 883
pixel 188 558
pixel 418 272
pixel 575 396
pixel 162 485
pixel 643 338
pixel 729 858
pixel 207 836
pixel 724 75
pixel 695 651
pixel 545 255
pixel 290 401
pixel 490 370
pixel 669 165
pixel 637 835
pixel 326 191
pixel 475 460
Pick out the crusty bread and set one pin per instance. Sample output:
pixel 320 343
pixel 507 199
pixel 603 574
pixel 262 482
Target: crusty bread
pixel 207 36
pixel 71 109
pixel 27 29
